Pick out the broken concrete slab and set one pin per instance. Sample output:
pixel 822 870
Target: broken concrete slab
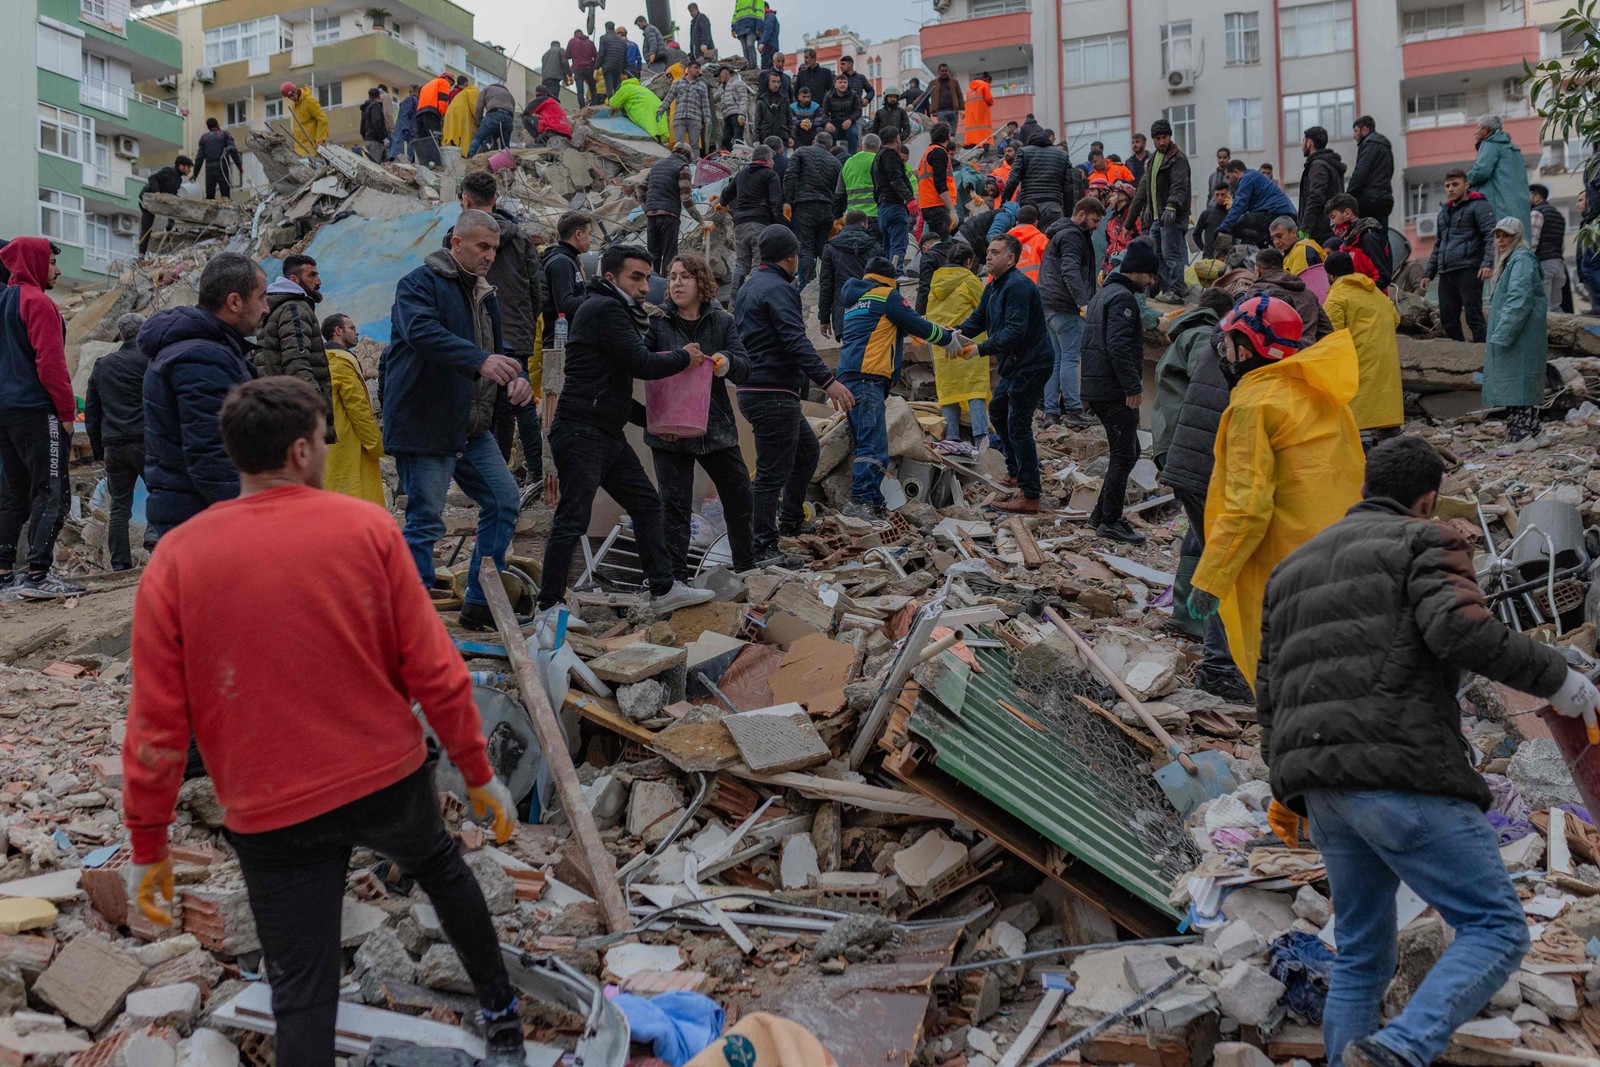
pixel 169 1005
pixel 17 915
pixel 1248 993
pixel 1312 906
pixel 637 662
pixel 358 921
pixel 933 855
pixel 627 960
pixel 30 1037
pixel 1238 1054
pixel 88 981
pixel 1236 941
pixel 442 969
pixel 1553 994
pixel 813 672
pixel 651 804
pixel 210 214
pixel 798 863
pixel 776 739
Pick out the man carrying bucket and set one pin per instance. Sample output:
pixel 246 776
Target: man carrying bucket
pixel 605 353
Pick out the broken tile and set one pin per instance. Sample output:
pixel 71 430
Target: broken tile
pixel 636 663
pixel 776 739
pixel 88 981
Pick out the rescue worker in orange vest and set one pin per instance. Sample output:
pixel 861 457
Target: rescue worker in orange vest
pixel 431 105
pixel 936 183
pixel 999 175
pixel 1033 242
pixel 980 117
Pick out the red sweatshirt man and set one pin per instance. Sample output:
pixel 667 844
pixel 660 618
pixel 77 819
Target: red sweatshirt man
pixel 37 410
pixel 287 631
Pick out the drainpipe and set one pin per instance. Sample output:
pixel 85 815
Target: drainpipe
pixel 1277 84
pixel 1133 121
pixel 1355 47
pixel 1061 71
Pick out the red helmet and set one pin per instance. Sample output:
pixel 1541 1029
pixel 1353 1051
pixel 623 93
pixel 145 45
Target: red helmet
pixel 1273 326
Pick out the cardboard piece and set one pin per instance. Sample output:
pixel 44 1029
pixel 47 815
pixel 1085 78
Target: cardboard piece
pixel 813 672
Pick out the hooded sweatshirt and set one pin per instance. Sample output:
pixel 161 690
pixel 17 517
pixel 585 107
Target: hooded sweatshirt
pixel 33 336
pixel 291 340
pixel 1292 290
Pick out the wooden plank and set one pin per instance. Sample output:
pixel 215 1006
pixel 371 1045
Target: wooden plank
pixel 591 850
pixel 605 713
pixel 1031 555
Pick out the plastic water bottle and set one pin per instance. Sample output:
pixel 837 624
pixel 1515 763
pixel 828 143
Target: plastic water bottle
pixel 561 333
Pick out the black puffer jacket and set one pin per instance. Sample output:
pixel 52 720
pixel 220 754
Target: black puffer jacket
pixel 891 117
pixel 1466 236
pixel 812 176
pixel 755 195
pixel 1365 631
pixel 975 231
pixel 1193 451
pixel 606 351
pixel 113 407
pixel 1042 176
pixel 1067 272
pixel 1320 181
pixel 1112 360
pixel 1372 180
pixel 839 109
pixel 844 258
pixel 291 341
pixel 714 332
pixel 612 52
pixel 1552 232
pixel 772 118
pixel 663 189
pixel 518 278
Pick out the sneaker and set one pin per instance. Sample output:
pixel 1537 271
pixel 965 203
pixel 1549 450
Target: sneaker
pixel 800 529
pixel 1368 1053
pixel 680 596
pixel 864 512
pixel 1017 503
pixel 1009 481
pixel 8 590
pixel 478 617
pixel 1229 685
pixel 44 587
pixel 1078 420
pixel 1121 530
pixel 1046 420
pixel 503 1040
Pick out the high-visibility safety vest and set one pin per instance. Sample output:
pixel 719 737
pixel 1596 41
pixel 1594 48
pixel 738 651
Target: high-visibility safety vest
pixel 1033 246
pixel 980 123
pixel 749 9
pixel 928 194
pixel 856 177
pixel 436 94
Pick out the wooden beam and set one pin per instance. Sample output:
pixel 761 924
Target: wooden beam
pixel 1031 554
pixel 591 850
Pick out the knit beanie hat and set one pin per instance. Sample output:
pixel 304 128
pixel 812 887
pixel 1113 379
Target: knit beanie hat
pixel 777 244
pixel 1140 258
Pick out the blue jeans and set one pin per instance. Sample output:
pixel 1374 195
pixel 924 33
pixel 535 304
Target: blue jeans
pixel 871 433
pixel 949 119
pixel 1174 254
pixel 1061 391
pixel 747 44
pixel 482 474
pixel 1014 404
pixel 495 126
pixel 851 137
pixel 894 222
pixel 1446 851
pixel 977 408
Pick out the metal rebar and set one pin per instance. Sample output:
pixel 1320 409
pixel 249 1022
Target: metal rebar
pixel 1067 950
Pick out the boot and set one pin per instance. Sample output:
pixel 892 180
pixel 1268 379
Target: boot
pixel 1181 620
pixel 503 1041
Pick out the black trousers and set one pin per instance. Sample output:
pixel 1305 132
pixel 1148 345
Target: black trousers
pixel 675 479
pixel 661 237
pixel 786 458
pixel 1251 229
pixel 1122 434
pixel 1376 209
pixel 147 226
pixel 34 487
pixel 296 879
pixel 1461 291
pixel 588 460
pixel 613 80
pixel 937 220
pixel 124 467
pixel 732 130
pixel 217 181
pixel 430 127
pixel 583 85
pixel 813 225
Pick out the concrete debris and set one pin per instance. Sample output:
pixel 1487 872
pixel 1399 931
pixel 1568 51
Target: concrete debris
pixel 1248 993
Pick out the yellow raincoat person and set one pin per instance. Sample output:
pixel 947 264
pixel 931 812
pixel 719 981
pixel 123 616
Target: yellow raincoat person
pixel 308 121
pixel 1355 303
pixel 352 467
pixel 461 118
pixel 1289 464
pixel 952 296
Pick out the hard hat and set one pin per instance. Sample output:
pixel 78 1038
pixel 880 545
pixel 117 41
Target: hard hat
pixel 286 88
pixel 1273 326
pixel 891 90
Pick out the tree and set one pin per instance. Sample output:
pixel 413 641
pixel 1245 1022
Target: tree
pixel 1565 92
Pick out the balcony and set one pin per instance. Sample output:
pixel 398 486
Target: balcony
pixel 117 99
pixel 1469 49
pixel 371 53
pixel 1447 146
pixel 981 36
pixel 116 109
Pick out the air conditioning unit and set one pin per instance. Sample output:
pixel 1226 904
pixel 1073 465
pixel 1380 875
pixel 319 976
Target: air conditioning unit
pixel 127 147
pixel 1427 226
pixel 205 75
pixel 168 82
pixel 125 226
pixel 1180 81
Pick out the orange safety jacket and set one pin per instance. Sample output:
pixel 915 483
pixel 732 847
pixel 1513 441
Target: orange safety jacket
pixel 928 194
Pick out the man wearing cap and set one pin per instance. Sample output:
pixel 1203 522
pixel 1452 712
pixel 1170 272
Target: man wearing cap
pixel 306 115
pixel 1162 205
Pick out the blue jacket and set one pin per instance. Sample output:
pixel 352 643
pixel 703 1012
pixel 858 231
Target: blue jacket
pixel 875 327
pixel 635 57
pixel 195 360
pixel 1012 314
pixel 1256 192
pixel 405 119
pixel 427 373
pixel 772 326
pixel 769 31
pixel 1005 220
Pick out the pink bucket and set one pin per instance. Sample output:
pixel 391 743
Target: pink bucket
pixel 679 405
pixel 1317 280
pixel 501 160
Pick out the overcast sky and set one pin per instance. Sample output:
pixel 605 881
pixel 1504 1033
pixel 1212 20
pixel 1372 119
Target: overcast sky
pixel 533 24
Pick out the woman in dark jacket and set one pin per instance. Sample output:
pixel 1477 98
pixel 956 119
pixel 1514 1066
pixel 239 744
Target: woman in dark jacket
pixel 691 317
pixel 772 110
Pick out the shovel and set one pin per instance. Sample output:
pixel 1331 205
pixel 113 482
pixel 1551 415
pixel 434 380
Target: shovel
pixel 1188 781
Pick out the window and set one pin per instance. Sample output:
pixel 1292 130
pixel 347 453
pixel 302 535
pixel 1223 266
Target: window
pixel 481 76
pixel 331 94
pixel 61 216
pixel 65 133
pixel 1177 47
pixel 97 169
pixel 1244 124
pixel 910 56
pixel 1433 23
pixel 325 30
pixel 236 113
pixel 247 40
pixel 1114 132
pixel 1097 59
pixel 272 108
pixel 60 52
pixel 433 53
pixel 1423 199
pixel 1428 110
pixel 1332 109
pixel 1243 34
pixel 97 10
pixel 1182 119
pixel 1011 81
pixel 984 8
pixel 1315 29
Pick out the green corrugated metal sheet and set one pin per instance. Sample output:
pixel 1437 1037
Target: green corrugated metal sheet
pixel 989 750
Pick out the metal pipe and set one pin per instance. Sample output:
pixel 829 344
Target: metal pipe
pixel 1067 950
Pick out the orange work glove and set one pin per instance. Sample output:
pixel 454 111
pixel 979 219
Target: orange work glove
pixel 493 798
pixel 1285 823
pixel 147 882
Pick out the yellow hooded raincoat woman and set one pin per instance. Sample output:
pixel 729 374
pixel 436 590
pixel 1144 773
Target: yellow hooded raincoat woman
pixel 461 118
pixel 1289 464
pixel 352 467
pixel 952 296
pixel 1355 303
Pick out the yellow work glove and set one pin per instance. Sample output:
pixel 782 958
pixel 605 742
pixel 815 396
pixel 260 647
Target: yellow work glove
pixel 1285 823
pixel 493 797
pixel 147 883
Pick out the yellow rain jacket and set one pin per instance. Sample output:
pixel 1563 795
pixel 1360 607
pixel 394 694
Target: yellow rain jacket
pixel 1289 464
pixel 1355 304
pixel 353 458
pixel 1305 253
pixel 461 118
pixel 954 295
pixel 310 124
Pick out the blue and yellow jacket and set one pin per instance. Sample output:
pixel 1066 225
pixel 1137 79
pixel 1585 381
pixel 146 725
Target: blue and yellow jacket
pixel 875 327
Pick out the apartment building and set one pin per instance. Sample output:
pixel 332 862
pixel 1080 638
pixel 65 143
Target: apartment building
pixel 95 135
pixel 1253 75
pixel 891 62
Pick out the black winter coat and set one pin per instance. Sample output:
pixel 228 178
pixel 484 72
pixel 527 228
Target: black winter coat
pixel 844 258
pixel 839 109
pixel 563 287
pixel 713 331
pixel 1372 179
pixel 818 79
pixel 890 185
pixel 1112 359
pixel 1466 236
pixel 891 117
pixel 1042 176
pixel 1365 631
pixel 975 231
pixel 772 326
pixel 1067 271
pixel 164 180
pixel 1012 314
pixel 664 186
pixel 1172 190
pixel 613 52
pixel 1193 451
pixel 195 361
pixel 755 195
pixel 518 278
pixel 1320 181
pixel 605 353
pixel 113 406
pixel 374 126
pixel 812 177
pixel 772 116
pixel 1552 232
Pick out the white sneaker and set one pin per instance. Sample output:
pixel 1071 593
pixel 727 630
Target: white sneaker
pixel 680 596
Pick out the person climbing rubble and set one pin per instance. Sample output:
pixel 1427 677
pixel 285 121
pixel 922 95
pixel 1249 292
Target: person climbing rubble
pixel 1366 746
pixel 308 122
pixel 290 340
pixel 113 416
pixel 302 789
